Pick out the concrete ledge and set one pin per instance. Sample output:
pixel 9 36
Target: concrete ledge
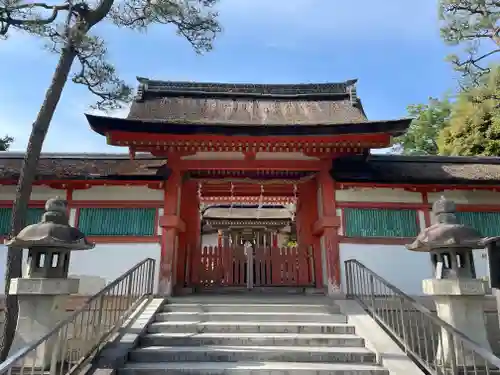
pixel 40 287
pixel 115 353
pixel 388 352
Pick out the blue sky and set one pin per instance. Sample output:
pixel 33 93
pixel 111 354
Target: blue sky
pixel 391 46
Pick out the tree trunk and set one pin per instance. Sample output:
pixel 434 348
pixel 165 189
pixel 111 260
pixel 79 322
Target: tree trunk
pixel 24 188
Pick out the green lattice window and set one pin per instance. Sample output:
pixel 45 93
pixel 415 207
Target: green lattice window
pixel 364 222
pixel 34 216
pixel 487 223
pixel 117 221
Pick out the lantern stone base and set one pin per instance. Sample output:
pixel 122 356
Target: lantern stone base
pixel 42 305
pixel 459 302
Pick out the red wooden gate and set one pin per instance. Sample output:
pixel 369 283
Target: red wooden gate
pixel 263 266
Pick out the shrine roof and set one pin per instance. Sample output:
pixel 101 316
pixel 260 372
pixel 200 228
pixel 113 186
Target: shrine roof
pixel 222 108
pixel 247 104
pixel 418 170
pixel 91 166
pixel 386 169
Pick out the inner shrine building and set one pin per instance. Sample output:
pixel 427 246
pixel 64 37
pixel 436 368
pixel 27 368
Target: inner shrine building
pixel 251 185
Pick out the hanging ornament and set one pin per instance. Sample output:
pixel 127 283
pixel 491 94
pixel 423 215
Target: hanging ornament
pixel 294 202
pixel 261 200
pixel 232 200
pixel 200 200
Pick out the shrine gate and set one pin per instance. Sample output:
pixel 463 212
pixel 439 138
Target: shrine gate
pixel 242 143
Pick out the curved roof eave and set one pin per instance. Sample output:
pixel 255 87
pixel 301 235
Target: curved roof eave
pixel 104 124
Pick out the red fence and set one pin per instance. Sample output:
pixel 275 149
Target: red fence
pixel 263 266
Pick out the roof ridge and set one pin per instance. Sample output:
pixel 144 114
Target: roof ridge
pixel 348 82
pixel 238 89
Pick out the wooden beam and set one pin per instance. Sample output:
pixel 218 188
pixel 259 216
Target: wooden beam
pixel 250 165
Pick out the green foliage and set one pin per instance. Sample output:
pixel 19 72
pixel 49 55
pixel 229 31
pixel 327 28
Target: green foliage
pixel 474 126
pixel 67 25
pixel 474 27
pixel 429 120
pixel 5 143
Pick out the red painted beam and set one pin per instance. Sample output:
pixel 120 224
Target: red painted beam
pixel 250 165
pixel 139 139
pixel 86 184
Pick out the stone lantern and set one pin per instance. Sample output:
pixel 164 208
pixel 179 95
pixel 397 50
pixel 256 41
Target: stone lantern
pixel 457 293
pixel 43 290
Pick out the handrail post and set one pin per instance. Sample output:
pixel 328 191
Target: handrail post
pixel 372 291
pixel 349 288
pixel 100 314
pixel 130 289
pixel 453 353
pixel 403 325
pixel 54 360
pixel 152 266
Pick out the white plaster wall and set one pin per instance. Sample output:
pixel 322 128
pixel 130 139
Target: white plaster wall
pixel 403 268
pixel 118 193
pixel 265 155
pixel 209 239
pixel 213 155
pixel 105 260
pixel 378 195
pixel 262 155
pixel 421 219
pixel 39 193
pixel 467 197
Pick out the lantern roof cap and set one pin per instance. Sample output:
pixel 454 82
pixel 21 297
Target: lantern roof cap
pixel 446 232
pixel 53 231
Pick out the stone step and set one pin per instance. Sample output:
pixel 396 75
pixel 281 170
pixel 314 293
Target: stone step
pixel 228 316
pixel 247 307
pixel 251 300
pixel 279 339
pixel 249 327
pixel 250 368
pixel 226 353
pixel 243 291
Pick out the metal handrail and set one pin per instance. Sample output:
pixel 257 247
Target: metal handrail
pixel 436 346
pixel 75 340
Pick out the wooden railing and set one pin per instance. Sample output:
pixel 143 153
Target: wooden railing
pixel 262 266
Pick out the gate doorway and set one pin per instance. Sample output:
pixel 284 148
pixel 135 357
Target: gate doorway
pixel 249 237
pixel 249 267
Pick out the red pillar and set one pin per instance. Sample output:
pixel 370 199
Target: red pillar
pixel 190 239
pixel 171 224
pixel 219 238
pixel 274 239
pixel 327 229
pixel 306 216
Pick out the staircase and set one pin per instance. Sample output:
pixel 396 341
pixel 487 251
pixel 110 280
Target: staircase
pixel 272 335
